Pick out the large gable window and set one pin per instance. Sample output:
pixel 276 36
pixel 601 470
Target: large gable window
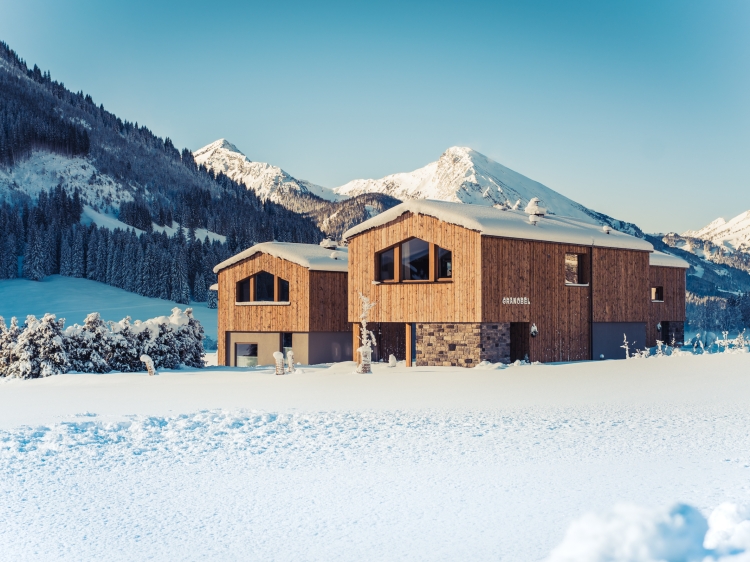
pixel 263 287
pixel 414 260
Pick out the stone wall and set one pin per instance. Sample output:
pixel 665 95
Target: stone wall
pixel 462 345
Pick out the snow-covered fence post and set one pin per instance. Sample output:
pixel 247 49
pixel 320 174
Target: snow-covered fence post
pixel 279 358
pixel 626 346
pixel 366 336
pixel 290 361
pixel 149 364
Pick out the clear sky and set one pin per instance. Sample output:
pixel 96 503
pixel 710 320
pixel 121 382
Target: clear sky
pixel 640 110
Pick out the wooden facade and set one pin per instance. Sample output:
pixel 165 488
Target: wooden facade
pixel 317 301
pixel 490 273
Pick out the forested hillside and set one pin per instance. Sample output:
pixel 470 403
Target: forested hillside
pixel 121 169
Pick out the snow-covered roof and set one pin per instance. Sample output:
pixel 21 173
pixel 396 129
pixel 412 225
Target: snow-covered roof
pixel 311 256
pixel 666 260
pixel 214 287
pixel 490 221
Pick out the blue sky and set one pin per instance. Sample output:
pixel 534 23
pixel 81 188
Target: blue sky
pixel 640 110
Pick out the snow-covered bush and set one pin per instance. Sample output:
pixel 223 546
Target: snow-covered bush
pixel 89 346
pixel 8 338
pixel 125 345
pixel 40 349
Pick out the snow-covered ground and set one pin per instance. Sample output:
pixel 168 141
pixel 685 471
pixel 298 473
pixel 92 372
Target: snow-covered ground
pixel 73 299
pixel 403 464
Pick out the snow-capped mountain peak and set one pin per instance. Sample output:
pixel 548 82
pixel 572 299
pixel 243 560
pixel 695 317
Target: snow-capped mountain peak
pixel 268 181
pixel 464 175
pixel 732 235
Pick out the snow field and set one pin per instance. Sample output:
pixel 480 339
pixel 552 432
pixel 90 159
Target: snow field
pixel 403 464
pixel 73 299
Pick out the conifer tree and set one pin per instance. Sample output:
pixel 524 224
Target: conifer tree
pixel 40 349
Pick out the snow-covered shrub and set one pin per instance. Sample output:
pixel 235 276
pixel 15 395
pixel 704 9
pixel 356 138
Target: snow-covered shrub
pixel 189 334
pixel 125 346
pixel 89 346
pixel 8 338
pixel 40 349
pixel 163 349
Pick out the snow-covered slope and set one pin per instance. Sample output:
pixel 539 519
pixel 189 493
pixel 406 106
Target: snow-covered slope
pixel 466 176
pixel 732 235
pixel 44 171
pixel 268 181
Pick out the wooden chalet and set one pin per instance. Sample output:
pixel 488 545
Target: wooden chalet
pixel 278 296
pixel 457 284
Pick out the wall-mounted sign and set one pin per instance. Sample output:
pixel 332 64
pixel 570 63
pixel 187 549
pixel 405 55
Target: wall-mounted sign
pixel 516 300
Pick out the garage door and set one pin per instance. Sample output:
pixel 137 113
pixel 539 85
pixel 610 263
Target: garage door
pixel 608 338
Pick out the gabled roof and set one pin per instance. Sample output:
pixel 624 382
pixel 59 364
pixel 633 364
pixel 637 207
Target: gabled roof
pixel 667 260
pixel 311 256
pixel 490 221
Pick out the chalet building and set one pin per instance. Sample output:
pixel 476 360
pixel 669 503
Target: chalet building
pixel 666 274
pixel 278 296
pixel 457 284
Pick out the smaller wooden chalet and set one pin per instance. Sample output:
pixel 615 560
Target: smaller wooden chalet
pixel 457 284
pixel 666 274
pixel 277 296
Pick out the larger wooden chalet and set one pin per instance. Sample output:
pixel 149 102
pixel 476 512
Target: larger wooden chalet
pixel 457 284
pixel 278 296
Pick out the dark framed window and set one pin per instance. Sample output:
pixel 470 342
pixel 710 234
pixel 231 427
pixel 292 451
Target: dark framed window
pixel 444 264
pixel 264 286
pixel 246 354
pixel 415 260
pixel 283 290
pixel 575 270
pixel 385 265
pixel 243 291
pixel 657 294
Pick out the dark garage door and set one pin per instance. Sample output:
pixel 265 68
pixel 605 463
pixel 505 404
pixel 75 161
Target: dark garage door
pixel 608 337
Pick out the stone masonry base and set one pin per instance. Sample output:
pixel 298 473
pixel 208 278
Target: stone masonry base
pixel 463 344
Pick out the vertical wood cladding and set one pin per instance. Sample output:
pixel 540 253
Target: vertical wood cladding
pixel 458 300
pixel 672 279
pixel 328 298
pixel 522 268
pixel 621 289
pixel 317 300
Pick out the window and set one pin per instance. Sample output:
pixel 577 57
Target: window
pixel 243 291
pixel 575 270
pixel 657 294
pixel 286 342
pixel 264 286
pixel 385 264
pixel 415 260
pixel 283 290
pixel 246 354
pixel 445 263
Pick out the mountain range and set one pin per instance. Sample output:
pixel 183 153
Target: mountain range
pixel 460 174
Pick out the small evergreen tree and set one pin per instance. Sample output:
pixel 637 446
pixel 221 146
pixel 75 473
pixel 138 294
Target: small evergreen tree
pixel 40 349
pixel 89 345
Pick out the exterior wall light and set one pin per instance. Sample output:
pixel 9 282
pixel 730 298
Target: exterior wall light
pixel 658 327
pixel 534 331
